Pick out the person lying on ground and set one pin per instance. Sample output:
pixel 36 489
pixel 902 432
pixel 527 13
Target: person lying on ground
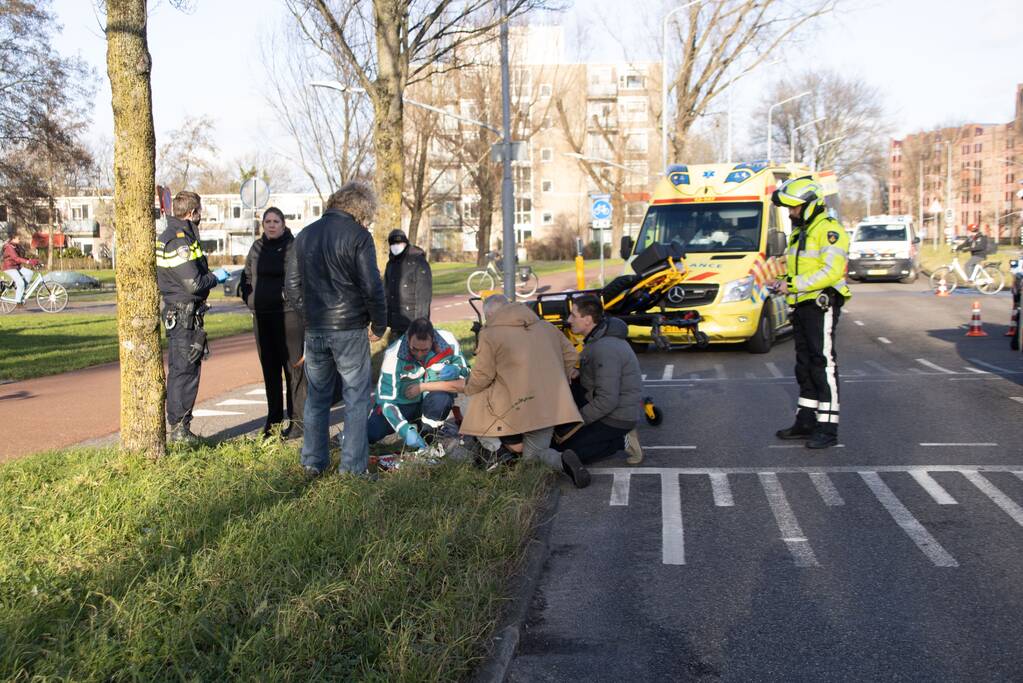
pixel 519 387
pixel 420 375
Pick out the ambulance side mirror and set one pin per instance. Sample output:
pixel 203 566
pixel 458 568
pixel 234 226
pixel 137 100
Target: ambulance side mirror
pixel 625 249
pixel 776 243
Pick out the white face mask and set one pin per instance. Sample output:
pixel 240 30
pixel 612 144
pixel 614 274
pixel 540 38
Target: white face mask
pixel 398 248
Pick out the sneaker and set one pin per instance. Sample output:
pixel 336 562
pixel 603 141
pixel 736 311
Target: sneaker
pixel 311 472
pixel 822 439
pixel 502 456
pixel 796 431
pixel 633 450
pixel 181 434
pixel 573 467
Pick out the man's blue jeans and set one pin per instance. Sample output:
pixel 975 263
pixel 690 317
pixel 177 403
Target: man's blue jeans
pixel 329 353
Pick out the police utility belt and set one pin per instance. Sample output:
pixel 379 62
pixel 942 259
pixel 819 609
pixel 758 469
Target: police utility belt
pixel 826 299
pixel 191 315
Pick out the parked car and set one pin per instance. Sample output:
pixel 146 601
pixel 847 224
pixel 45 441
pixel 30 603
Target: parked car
pixel 884 247
pixel 1016 273
pixel 232 285
pixel 72 280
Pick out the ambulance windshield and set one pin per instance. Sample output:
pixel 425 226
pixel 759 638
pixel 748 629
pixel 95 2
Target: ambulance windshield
pixel 703 227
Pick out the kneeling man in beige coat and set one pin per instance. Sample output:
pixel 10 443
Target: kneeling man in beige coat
pixel 519 386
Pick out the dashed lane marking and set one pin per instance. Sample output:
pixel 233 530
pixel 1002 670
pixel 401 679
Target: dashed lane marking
pixel 256 392
pixel 936 491
pixel 927 544
pixel 241 402
pixel 791 532
pixel 669 448
pixel 877 366
pixel 934 366
pixel 203 412
pixel 829 494
pixel 977 361
pixel 978 444
pixel 858 322
pixel 976 370
pixel 775 370
pixel 669 371
pixel 884 340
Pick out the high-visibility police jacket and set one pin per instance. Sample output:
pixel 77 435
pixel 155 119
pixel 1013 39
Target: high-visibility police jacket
pixel 400 369
pixel 182 272
pixel 817 259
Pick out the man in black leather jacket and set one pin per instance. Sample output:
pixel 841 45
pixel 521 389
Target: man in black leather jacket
pixel 332 281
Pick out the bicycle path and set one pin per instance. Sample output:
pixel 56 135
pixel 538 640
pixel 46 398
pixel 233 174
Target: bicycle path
pixel 72 408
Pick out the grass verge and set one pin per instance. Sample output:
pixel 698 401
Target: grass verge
pixel 934 257
pixel 224 563
pixel 37 345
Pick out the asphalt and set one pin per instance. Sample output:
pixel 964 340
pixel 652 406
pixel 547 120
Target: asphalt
pixel 729 555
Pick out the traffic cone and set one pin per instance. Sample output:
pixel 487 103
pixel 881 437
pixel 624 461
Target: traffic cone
pixel 942 288
pixel 975 325
pixel 1013 322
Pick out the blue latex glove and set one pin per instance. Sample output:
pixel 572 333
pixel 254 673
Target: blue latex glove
pixel 413 440
pixel 221 274
pixel 447 373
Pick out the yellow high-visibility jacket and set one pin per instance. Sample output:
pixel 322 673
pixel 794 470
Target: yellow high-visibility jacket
pixel 817 259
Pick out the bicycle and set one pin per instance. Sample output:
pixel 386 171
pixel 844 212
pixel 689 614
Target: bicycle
pixel 51 296
pixel 986 276
pixel 526 281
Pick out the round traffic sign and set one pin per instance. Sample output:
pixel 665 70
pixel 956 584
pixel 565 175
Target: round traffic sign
pixel 601 209
pixel 255 193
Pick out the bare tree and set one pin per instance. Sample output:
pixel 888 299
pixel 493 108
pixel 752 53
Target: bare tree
pixel 720 40
pixel 190 151
pixel 129 66
pixel 391 44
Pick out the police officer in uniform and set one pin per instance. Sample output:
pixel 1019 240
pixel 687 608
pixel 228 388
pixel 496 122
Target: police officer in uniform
pixel 185 280
pixel 815 289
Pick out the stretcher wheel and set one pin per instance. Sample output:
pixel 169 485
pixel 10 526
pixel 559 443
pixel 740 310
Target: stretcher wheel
pixel 652 413
pixel 702 340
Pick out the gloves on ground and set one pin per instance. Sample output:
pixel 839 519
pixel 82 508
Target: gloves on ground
pixel 221 274
pixel 413 440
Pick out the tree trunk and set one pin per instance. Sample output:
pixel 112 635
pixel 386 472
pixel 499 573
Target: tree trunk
pixel 486 222
pixel 388 122
pixel 617 216
pixel 138 321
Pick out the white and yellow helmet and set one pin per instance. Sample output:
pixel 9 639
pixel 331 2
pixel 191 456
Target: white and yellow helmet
pixel 805 192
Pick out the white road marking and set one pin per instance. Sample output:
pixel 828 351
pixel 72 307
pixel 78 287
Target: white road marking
pixel 858 322
pixel 936 490
pixel 202 412
pixel 721 490
pixel 963 445
pixel 976 370
pixel 996 495
pixel 1017 399
pixel 927 544
pixel 241 402
pixel 934 366
pixel 829 494
pixel 791 532
pixel 884 340
pixel 977 361
pixel 719 370
pixel 643 377
pixel 775 371
pixel 669 371
pixel 673 547
pixel 620 488
pixel 878 366
pixel 669 448
pixel 799 445
pixel 1013 469
pixel 970 379
pixel 256 392
pixel 861 381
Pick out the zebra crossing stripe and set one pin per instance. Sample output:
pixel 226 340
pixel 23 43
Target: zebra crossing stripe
pixel 791 532
pixel 673 547
pixel 937 492
pixel 995 494
pixel 721 491
pixel 620 488
pixel 829 494
pixel 669 371
pixel 905 519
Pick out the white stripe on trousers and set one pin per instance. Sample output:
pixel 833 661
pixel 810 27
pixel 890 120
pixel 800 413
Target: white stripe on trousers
pixel 829 368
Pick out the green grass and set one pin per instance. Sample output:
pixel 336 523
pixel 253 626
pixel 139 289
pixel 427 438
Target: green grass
pixel 933 257
pixel 224 564
pixel 451 279
pixel 36 345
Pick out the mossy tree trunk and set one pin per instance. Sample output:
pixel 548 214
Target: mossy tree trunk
pixel 138 322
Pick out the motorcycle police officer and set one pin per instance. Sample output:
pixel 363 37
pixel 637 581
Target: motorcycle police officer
pixel 815 290
pixel 184 279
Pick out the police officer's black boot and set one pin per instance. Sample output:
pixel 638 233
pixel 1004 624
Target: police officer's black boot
pixel 806 421
pixel 180 433
pixel 824 436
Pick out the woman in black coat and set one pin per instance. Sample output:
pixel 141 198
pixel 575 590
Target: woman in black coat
pixel 278 328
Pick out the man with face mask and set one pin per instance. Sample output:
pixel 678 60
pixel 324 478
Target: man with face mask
pixel 408 281
pixel 815 290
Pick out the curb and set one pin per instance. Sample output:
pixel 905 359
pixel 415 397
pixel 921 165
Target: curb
pixel 506 638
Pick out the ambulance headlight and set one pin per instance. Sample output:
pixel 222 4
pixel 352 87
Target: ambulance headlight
pixel 737 290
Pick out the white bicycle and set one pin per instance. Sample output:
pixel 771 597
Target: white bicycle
pixel 986 277
pixel 526 281
pixel 51 296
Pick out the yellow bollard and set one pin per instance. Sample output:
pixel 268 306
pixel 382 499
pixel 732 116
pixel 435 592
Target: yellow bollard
pixel 580 273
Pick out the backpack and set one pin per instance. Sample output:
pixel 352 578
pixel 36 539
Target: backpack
pixel 991 247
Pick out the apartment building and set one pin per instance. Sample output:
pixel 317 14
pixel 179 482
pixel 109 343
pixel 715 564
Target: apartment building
pixel 984 162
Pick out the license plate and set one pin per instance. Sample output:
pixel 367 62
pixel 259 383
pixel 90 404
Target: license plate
pixel 672 329
pixel 878 271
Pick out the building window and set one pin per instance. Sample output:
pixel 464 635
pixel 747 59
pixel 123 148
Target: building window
pixel 977 147
pixel 632 110
pixel 523 179
pixel 546 154
pixel 236 211
pixel 545 90
pixel 317 209
pixel 636 141
pixel 523 211
pixel 79 213
pixel 546 185
pixel 547 218
pixel 631 81
pixel 978 131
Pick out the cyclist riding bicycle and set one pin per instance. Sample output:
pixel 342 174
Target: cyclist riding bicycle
pixel 13 258
pixel 977 244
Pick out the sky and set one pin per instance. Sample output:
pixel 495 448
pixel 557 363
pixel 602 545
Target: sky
pixel 935 61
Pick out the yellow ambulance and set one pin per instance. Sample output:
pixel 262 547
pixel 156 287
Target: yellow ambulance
pixel 734 240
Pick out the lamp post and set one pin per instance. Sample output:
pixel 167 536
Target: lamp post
pixel 824 144
pixel 664 79
pixel 770 113
pixel 795 137
pixel 728 87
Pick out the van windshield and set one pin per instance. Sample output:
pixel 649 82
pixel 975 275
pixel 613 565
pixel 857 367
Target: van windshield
pixel 698 227
pixel 880 233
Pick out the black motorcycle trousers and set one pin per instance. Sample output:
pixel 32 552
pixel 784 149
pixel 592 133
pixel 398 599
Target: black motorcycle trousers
pixel 817 364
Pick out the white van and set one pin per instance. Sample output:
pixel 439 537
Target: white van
pixel 884 247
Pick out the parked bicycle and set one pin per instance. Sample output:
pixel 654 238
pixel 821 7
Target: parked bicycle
pixel 51 296
pixel 526 281
pixel 986 276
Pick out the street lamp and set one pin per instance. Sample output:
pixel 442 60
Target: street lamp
pixel 770 113
pixel 728 87
pixel 664 79
pixel 795 134
pixel 823 144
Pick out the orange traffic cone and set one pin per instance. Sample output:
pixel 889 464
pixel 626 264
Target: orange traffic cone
pixel 975 325
pixel 942 288
pixel 1013 322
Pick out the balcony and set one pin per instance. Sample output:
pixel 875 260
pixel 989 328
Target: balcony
pixel 242 226
pixel 83 227
pixel 601 123
pixel 602 91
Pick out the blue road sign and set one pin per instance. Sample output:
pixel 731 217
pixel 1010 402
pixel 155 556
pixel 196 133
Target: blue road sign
pixel 601 208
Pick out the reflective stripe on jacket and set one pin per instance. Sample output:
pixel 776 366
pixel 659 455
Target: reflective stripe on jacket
pixel 818 257
pixel 182 272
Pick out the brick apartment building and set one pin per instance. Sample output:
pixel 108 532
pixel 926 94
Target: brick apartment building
pixel 985 163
